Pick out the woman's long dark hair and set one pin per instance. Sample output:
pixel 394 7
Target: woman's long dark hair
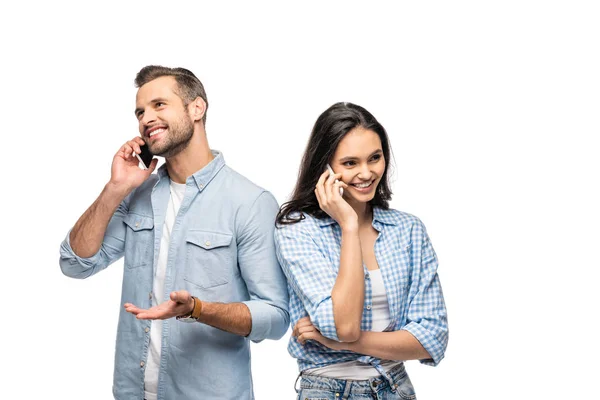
pixel 329 130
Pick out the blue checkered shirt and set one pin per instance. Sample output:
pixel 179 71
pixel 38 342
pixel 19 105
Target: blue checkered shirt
pixel 309 253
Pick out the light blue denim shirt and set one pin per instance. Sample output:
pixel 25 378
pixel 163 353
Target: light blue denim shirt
pixel 221 250
pixel 309 253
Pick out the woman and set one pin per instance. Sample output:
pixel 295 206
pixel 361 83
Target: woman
pixel 364 291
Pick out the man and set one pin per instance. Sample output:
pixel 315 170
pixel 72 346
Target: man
pixel 197 238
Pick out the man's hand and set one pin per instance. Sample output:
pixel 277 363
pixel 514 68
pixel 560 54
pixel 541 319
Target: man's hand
pixel 125 173
pixel 304 330
pixel 181 303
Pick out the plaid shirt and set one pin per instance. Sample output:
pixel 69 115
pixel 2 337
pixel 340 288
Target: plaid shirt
pixel 309 253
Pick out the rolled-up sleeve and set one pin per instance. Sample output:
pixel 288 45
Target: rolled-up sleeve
pixel 310 275
pixel 112 249
pixel 261 272
pixel 427 317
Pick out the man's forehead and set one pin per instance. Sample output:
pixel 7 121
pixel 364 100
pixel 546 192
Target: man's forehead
pixel 163 87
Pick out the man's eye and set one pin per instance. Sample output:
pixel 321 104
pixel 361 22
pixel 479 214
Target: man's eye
pixel 159 104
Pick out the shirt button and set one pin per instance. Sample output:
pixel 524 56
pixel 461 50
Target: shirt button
pixel 207 243
pixel 368 306
pixel 150 295
pixel 142 364
pixel 147 330
pixel 367 276
pixel 137 224
pixel 337 395
pixel 201 186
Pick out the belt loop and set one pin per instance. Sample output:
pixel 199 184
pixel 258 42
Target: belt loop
pixel 387 377
pixel 296 383
pixel 347 387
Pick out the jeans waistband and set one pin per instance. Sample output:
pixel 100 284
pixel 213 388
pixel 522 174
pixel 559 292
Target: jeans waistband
pixel 349 386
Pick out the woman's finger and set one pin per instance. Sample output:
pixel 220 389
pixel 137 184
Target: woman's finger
pixel 328 185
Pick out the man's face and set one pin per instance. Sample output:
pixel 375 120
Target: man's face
pixel 164 121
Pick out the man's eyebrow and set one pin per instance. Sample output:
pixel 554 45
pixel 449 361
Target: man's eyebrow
pixel 158 100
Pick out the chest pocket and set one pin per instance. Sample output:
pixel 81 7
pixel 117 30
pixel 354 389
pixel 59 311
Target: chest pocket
pixel 139 240
pixel 209 258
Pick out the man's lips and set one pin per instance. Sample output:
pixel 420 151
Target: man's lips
pixel 155 130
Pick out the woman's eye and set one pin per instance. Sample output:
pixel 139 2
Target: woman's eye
pixel 349 164
pixel 376 157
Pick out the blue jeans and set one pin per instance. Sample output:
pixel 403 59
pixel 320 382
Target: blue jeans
pixel 314 387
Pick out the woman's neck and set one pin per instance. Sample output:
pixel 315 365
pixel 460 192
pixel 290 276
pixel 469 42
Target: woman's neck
pixel 364 211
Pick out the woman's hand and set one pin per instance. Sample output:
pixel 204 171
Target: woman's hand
pixel 304 330
pixel 328 195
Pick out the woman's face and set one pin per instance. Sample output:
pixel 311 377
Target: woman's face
pixel 359 158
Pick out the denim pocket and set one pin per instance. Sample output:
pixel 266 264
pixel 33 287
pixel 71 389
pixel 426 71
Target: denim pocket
pixel 209 258
pixel 139 240
pixel 316 394
pixel 405 388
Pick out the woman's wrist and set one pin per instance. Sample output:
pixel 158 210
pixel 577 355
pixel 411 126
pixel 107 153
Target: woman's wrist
pixel 349 227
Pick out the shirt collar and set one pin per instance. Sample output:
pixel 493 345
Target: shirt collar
pixel 205 175
pixel 385 217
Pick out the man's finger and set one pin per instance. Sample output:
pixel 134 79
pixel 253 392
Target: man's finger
pixel 181 296
pixel 132 309
pixel 150 315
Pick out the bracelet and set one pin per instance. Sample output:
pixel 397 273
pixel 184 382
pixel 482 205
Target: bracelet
pixel 192 314
pixel 197 310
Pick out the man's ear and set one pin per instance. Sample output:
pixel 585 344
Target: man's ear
pixel 197 109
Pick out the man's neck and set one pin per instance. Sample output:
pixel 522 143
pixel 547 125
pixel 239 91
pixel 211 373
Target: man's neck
pixel 190 160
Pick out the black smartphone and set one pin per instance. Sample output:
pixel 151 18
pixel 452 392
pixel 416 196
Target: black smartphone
pixel 145 156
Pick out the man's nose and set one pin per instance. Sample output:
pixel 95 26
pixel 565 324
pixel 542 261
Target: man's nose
pixel 149 117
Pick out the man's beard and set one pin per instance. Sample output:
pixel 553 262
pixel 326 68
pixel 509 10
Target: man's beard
pixel 178 137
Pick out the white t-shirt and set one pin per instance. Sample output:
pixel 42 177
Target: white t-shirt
pixel 380 311
pixel 158 287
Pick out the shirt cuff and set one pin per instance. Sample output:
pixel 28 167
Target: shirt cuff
pixel 74 266
pixel 268 321
pixel 428 341
pixel 323 319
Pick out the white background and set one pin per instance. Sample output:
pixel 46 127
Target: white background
pixel 493 113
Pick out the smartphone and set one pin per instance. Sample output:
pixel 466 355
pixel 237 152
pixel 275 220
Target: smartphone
pixel 337 180
pixel 145 157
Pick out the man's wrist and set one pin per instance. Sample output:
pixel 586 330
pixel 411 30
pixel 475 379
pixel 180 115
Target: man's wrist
pixel 116 191
pixel 195 309
pixel 191 304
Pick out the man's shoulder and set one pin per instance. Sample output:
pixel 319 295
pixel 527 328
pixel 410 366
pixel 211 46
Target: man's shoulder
pixel 240 188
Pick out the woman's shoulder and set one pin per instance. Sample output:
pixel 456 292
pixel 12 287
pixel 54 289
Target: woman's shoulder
pixel 298 222
pixel 396 217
